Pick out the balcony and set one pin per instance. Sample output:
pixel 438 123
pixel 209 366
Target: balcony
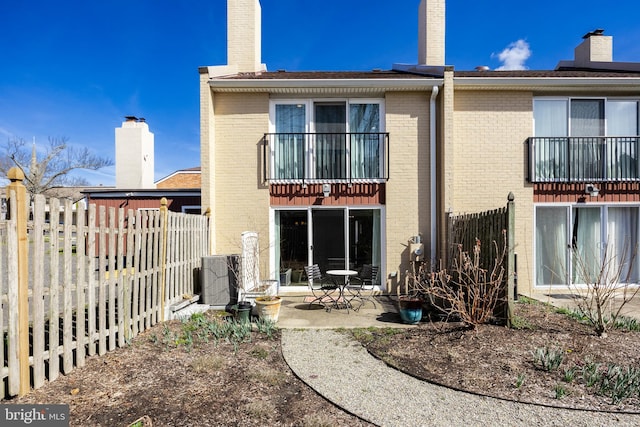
pixel 583 159
pixel 325 157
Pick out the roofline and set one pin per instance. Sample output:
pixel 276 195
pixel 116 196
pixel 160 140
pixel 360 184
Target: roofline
pixel 414 84
pixel 178 172
pixel 525 83
pixel 126 194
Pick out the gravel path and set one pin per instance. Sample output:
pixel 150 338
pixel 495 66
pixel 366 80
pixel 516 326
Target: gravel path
pixel 341 370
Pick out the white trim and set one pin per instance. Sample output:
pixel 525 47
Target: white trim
pixel 369 85
pixel 432 172
pixel 309 209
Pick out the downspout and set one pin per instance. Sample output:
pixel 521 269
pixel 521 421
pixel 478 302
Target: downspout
pixel 432 169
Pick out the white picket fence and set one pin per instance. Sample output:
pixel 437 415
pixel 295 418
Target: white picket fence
pixel 97 277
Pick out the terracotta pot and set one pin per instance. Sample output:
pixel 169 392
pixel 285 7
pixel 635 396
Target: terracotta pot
pixel 268 307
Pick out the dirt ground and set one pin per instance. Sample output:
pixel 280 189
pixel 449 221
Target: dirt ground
pixel 214 384
pixel 497 361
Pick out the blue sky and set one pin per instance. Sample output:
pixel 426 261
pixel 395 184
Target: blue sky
pixel 74 69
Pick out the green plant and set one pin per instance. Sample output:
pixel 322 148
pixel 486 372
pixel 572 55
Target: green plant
pixel 547 359
pixel 570 374
pixel 620 383
pixel 259 353
pixel 520 380
pixel 267 327
pixel 627 324
pixel 561 391
pixel 519 323
pixel 573 313
pixel 591 374
pixel 522 299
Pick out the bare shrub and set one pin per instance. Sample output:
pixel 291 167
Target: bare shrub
pixel 602 282
pixel 467 291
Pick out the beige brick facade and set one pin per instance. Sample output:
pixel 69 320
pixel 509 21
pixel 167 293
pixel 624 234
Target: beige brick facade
pixel 243 29
pixel 408 202
pixel 242 199
pixel 489 154
pixel 483 120
pixel 431 32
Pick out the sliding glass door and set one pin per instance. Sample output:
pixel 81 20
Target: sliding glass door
pixel 333 238
pixel 582 244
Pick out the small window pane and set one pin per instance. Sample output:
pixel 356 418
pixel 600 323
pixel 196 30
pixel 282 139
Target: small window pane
pixel 551 244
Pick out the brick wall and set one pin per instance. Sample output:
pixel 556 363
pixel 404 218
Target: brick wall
pixel 408 201
pixel 490 133
pixel 182 180
pixel 241 198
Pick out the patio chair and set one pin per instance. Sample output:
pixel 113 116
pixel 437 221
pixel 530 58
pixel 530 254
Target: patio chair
pixel 363 282
pixel 321 287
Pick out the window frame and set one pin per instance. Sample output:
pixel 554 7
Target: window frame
pixel 568 238
pixel 310 126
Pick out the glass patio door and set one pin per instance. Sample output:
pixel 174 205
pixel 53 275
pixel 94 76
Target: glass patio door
pixel 328 248
pixel 334 238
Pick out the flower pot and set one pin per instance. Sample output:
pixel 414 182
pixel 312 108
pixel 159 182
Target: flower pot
pixel 410 309
pixel 268 307
pixel 243 311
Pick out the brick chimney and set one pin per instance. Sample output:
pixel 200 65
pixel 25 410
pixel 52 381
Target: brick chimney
pixel 244 28
pixel 134 155
pixel 596 47
pixel 431 31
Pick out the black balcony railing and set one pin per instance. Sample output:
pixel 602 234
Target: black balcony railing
pixel 584 159
pixel 303 157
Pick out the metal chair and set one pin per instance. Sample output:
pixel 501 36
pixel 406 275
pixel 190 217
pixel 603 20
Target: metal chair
pixel 364 281
pixel 321 287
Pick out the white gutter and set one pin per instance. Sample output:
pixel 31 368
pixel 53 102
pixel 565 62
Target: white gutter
pixel 389 83
pixel 432 169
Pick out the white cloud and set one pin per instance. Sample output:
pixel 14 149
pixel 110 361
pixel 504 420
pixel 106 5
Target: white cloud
pixel 513 57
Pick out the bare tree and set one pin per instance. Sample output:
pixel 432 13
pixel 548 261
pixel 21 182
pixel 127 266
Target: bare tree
pixel 609 284
pixel 45 172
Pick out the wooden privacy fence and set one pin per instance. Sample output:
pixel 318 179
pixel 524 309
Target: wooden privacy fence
pixel 86 281
pixel 487 227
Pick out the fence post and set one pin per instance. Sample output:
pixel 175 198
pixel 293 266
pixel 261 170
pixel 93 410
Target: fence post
pixel 164 213
pixel 511 222
pixel 16 176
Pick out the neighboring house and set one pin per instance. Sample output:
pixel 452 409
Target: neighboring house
pixel 565 142
pixel 344 168
pixel 184 178
pixel 135 188
pixel 178 200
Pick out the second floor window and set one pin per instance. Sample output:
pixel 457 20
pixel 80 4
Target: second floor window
pixel 326 140
pixel 585 139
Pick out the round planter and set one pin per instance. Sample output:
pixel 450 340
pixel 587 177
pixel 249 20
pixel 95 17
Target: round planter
pixel 268 307
pixel 410 310
pixel 243 311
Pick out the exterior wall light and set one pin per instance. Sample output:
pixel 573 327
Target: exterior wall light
pixel 592 190
pixel 326 190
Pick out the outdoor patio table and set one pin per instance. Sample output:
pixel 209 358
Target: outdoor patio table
pixel 342 284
